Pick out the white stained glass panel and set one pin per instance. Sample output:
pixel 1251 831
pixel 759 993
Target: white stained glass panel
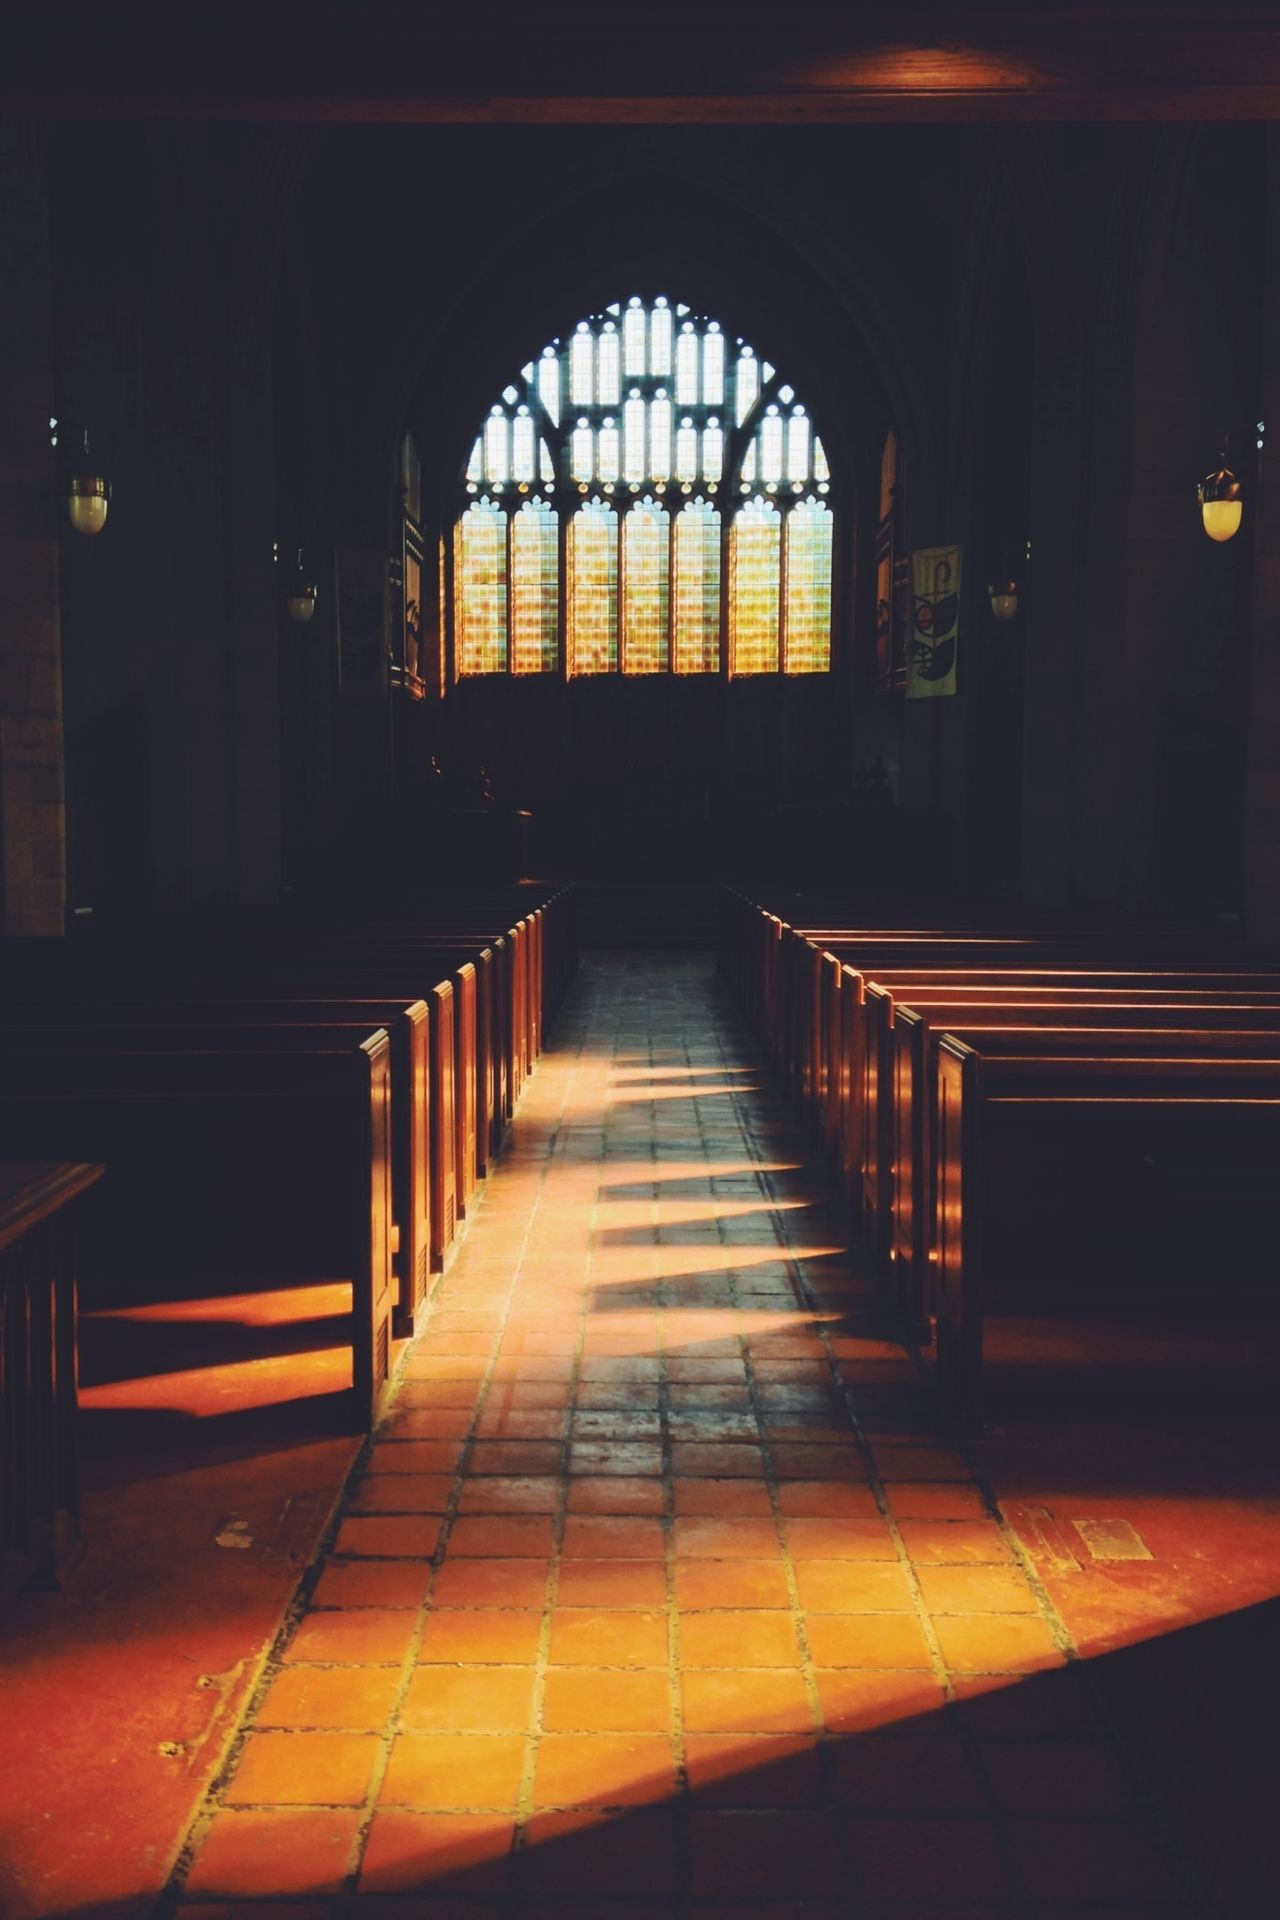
pixel 645 588
pixel 660 337
pixel 496 458
pixel 660 438
pixel 696 626
pixel 687 367
pixel 821 471
pixel 771 447
pixel 755 553
pixel 582 453
pixel 798 447
pixel 687 452
pixel 749 465
pixel 712 451
pixel 591 638
pixel 713 367
pixel 633 438
pixel 746 385
pixel 475 465
pixel 609 451
pixel 633 340
pixel 609 367
pixel 535 610
pixel 549 385
pixel 808 609
pixel 546 465
pixel 480 589
pixel 523 449
pixel 582 367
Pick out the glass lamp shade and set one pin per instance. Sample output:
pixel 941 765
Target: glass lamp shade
pixel 1003 595
pixel 88 497
pixel 300 603
pixel 1221 506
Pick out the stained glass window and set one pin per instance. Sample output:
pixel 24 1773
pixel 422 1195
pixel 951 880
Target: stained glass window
pixel 592 582
pixel 807 613
pixel 644 412
pixel 696 567
pixel 480 589
pixel 755 550
pixel 646 568
pixel 535 574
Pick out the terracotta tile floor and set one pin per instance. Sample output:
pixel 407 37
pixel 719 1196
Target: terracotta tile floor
pixel 660 1594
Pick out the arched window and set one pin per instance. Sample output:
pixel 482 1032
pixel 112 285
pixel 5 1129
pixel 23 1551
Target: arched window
pixel 648 497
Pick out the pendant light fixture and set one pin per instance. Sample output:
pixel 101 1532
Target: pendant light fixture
pixel 88 493
pixel 1221 501
pixel 300 593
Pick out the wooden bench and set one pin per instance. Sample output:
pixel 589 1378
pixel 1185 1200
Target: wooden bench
pixel 232 1169
pixel 41 1204
pixel 1092 1186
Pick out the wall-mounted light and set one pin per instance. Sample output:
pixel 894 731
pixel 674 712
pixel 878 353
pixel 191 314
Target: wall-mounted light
pixel 88 491
pixel 1003 591
pixel 300 593
pixel 1221 499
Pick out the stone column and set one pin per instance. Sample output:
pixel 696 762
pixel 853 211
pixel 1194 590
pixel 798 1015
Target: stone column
pixel 1262 815
pixel 32 821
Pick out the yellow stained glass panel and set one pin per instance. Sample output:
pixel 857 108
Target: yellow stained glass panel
pixel 592 590
pixel 807 620
pixel 480 589
pixel 535 573
pixel 755 551
pixel 645 588
pixel 696 639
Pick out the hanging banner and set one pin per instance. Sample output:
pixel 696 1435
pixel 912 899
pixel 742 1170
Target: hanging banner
pixel 935 622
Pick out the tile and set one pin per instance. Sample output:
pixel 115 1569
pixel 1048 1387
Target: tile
pixel 480 1635
pixel 732 1583
pixel 358 1637
pixel 763 1855
pixel 403 1493
pixel 922 1774
pixel 753 1769
pixel 592 1537
pixel 390 1536
pixel 517 1536
pixel 840 1540
pixel 603 1769
pixel 350 1699
pixel 739 1639
pixel 713 1538
pixel 612 1583
pixel 911 1500
pixel 954 1542
pixel 586 1856
pixel 251 1855
pixel 468 1853
pixel 867 1640
pixel 976 1589
pixel 855 1701
pixel 616 1494
pixel 827 1499
pixel 514 1457
pixel 605 1700
pixel 499 1494
pixel 739 1499
pixel 504 1582
pixel 372 1583
pixel 454 1770
pixel 712 1461
pixel 996 1643
pixel 925 1859
pixel 598 1638
pixel 853 1586
pixel 615 1456
pixel 469 1699
pixel 303 1769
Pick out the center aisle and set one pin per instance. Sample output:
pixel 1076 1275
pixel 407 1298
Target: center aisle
pixel 627 1614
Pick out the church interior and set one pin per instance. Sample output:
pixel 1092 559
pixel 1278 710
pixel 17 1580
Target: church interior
pixel 640 963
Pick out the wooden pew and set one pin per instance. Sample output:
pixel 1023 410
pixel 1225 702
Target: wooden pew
pixel 905 1192
pixel 41 1204
pixel 230 1168
pixel 1092 1185
pixel 72 1026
